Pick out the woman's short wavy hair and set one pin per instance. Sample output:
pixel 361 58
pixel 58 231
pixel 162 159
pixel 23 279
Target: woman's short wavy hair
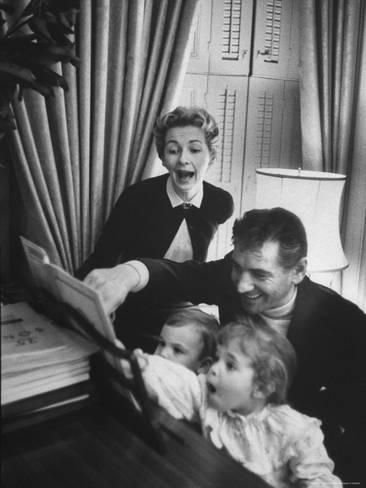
pixel 272 356
pixel 185 116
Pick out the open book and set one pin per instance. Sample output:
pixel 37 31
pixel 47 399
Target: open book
pixel 84 310
pixel 84 304
pixel 66 289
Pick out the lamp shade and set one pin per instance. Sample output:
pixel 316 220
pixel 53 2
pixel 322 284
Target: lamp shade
pixel 315 197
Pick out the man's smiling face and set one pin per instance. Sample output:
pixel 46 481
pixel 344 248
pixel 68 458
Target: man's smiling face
pixel 261 280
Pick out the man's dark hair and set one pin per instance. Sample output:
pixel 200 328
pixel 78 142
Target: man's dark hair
pixel 276 225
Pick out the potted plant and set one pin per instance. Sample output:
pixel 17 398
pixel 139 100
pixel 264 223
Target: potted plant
pixel 30 44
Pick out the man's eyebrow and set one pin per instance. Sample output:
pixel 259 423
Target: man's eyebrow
pixel 261 271
pixel 253 270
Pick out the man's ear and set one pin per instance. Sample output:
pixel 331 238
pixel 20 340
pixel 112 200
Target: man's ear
pixel 205 365
pixel 299 271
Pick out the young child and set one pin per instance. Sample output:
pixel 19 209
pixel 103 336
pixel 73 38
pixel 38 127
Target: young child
pixel 240 404
pixel 188 337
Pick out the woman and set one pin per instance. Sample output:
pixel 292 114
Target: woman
pixel 173 216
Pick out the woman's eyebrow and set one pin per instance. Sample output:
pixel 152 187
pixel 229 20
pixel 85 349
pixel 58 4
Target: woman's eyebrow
pixel 174 141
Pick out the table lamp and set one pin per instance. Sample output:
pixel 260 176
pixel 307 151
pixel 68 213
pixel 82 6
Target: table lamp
pixel 315 197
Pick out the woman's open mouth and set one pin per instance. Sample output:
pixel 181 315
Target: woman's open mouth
pixel 184 176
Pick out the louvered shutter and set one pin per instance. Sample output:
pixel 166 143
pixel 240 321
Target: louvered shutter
pixel 276 45
pixel 227 100
pixel 230 36
pixel 198 61
pixel 273 135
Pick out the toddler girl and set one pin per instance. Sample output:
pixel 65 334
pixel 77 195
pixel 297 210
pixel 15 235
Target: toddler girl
pixel 240 404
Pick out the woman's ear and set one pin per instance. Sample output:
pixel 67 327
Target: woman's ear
pixel 205 365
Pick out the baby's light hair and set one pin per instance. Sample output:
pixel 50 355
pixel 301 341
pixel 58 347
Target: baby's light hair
pixel 272 356
pixel 206 324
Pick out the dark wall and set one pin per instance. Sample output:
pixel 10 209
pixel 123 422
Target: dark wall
pixel 9 218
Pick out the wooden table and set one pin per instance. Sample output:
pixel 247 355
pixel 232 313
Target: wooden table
pixel 103 446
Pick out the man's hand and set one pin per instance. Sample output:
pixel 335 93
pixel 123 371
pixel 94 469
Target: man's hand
pixel 113 284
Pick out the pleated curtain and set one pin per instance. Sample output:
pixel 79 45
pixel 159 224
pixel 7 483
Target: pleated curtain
pixel 74 153
pixel 333 115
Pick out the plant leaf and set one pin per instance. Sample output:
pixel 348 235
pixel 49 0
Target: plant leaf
pixel 19 72
pixel 48 77
pixel 39 26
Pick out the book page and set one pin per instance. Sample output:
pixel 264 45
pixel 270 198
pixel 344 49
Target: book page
pixel 37 257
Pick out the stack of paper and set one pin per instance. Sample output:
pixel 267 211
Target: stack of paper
pixel 37 356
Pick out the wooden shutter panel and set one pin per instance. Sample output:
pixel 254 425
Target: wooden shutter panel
pixel 276 45
pixel 230 36
pixel 227 100
pixel 194 91
pixel 198 61
pixel 273 136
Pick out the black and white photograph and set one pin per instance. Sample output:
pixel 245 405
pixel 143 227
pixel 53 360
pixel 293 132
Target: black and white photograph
pixel 183 243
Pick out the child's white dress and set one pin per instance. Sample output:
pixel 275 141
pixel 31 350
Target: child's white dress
pixel 279 444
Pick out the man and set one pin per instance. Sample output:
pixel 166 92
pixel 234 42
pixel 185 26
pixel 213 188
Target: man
pixel 265 274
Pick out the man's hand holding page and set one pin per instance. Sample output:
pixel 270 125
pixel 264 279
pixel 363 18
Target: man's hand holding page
pixel 114 284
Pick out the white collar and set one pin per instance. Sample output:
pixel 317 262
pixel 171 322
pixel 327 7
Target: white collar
pixel 176 200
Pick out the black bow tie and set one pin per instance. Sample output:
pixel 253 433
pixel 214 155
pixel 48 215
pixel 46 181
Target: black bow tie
pixel 186 206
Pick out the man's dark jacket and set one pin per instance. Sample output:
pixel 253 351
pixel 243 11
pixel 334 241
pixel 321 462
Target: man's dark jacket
pixel 328 333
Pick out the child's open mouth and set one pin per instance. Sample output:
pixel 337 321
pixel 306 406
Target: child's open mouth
pixel 211 389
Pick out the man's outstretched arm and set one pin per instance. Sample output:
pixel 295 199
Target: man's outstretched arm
pixel 163 281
